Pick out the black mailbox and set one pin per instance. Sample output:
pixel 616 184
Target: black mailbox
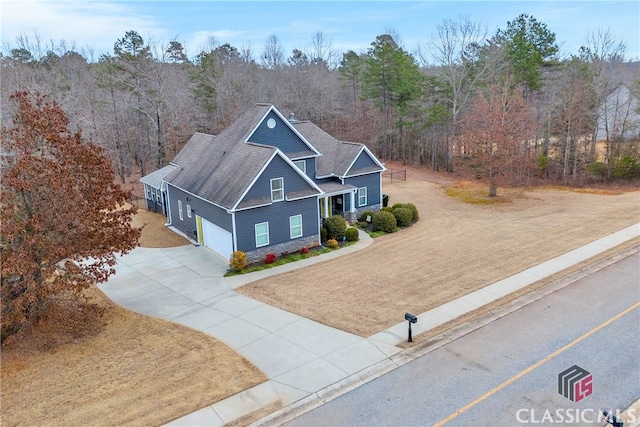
pixel 412 319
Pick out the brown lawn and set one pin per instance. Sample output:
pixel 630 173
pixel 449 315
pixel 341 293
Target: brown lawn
pixel 122 369
pixel 155 234
pixel 455 248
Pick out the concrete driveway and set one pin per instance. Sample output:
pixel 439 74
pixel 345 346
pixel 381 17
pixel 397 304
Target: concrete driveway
pixel 186 285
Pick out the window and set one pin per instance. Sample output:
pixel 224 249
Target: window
pixel 295 226
pixel 362 196
pixel 277 189
pixel 180 210
pixel 301 164
pixel 148 192
pixel 158 197
pixel 153 195
pixel 262 234
pixel 189 211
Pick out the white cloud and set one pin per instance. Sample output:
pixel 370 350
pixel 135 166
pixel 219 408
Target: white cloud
pixel 97 25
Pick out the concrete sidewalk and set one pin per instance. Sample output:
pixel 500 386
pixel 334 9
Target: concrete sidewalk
pixel 304 360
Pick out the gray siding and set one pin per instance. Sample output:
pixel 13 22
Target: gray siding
pixel 363 161
pixel 280 136
pixel 372 182
pixel 277 215
pixel 199 207
pixel 278 168
pixel 310 167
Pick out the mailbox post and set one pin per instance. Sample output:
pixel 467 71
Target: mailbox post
pixel 411 319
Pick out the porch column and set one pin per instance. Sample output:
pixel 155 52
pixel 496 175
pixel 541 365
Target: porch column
pixel 326 206
pixel 352 197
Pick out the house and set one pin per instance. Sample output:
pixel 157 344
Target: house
pixel 264 184
pixel 618 116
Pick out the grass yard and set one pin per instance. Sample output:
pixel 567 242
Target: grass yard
pixel 122 369
pixel 455 248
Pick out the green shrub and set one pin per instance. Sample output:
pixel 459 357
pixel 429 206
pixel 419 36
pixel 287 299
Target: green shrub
pixel 363 217
pixel 403 217
pixel 387 209
pixel 332 243
pixel 238 261
pixel 323 234
pixel 336 226
pixel 414 211
pixel 384 221
pixel 627 168
pixel 397 205
pixel 352 234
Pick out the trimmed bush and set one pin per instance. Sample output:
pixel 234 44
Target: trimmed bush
pixel 323 234
pixel 403 216
pixel 336 226
pixel 352 234
pixel 387 209
pixel 363 217
pixel 332 243
pixel 414 211
pixel 270 258
pixel 397 205
pixel 384 221
pixel 304 250
pixel 238 261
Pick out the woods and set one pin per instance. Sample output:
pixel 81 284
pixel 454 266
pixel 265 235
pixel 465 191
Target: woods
pixel 143 101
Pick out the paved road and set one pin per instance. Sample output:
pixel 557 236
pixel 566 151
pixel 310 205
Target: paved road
pixel 508 370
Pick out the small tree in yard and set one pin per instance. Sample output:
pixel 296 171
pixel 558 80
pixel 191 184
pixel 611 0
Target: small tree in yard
pixel 63 217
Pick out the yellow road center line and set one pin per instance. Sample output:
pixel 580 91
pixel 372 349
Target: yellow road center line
pixel 534 366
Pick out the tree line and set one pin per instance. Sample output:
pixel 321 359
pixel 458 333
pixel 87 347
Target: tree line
pixel 506 106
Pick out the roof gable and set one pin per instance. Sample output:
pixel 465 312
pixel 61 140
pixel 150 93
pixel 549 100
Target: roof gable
pixel 365 162
pixel 296 183
pixel 338 157
pixel 274 130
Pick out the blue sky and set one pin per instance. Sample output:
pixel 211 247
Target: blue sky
pixel 346 24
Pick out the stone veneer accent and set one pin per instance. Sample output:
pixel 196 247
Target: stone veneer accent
pixel 291 246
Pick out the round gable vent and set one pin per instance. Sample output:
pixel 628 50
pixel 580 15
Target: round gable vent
pixel 271 123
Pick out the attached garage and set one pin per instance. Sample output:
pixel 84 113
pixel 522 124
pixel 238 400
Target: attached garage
pixel 215 237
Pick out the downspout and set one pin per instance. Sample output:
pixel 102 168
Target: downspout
pixel 168 205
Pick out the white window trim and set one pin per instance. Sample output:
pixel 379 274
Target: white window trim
pixel 262 234
pixel 188 210
pixel 291 227
pixel 180 210
pixel 298 163
pixel 281 189
pixel 362 190
pixel 158 195
pixel 148 188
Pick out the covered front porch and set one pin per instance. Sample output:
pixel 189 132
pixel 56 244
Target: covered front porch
pixel 338 200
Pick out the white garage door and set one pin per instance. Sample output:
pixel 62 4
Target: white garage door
pixel 217 238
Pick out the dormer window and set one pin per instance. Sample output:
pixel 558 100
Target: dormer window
pixel 301 164
pixel 277 189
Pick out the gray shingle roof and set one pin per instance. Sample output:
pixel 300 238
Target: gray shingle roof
pixel 337 155
pixel 155 178
pixel 221 168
